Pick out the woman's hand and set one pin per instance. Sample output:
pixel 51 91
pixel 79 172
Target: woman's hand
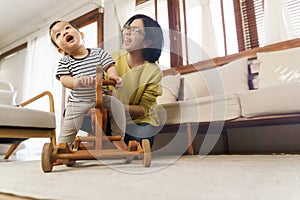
pixel 119 82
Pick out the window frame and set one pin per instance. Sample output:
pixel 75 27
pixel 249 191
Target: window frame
pixel 14 50
pixel 91 17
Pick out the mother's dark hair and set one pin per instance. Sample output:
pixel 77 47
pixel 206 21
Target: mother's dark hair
pixel 154 33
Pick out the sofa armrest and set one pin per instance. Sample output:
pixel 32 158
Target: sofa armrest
pixel 33 99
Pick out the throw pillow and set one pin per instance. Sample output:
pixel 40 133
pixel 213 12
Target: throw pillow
pixel 195 85
pixel 229 78
pixel 170 88
pixel 8 97
pixel 235 76
pixel 279 67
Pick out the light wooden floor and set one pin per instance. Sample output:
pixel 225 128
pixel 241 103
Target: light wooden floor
pixel 4 196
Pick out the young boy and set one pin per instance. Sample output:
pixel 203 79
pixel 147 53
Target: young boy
pixel 77 71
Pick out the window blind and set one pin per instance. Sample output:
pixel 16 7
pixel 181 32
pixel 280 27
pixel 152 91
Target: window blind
pixel 293 7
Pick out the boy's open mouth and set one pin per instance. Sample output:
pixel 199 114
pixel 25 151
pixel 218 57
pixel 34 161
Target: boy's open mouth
pixel 69 38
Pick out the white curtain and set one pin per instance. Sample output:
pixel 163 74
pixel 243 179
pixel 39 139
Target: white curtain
pixel 117 12
pixel 41 62
pixel 278 24
pixel 39 76
pixel 208 41
pixel 124 10
pixel 201 37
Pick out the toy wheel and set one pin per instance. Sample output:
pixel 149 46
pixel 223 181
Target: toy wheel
pixel 68 162
pixel 47 163
pixel 147 153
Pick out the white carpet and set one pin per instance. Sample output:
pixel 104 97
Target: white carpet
pixel 221 177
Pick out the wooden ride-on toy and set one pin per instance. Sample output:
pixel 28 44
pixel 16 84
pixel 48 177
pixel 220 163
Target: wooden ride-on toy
pixel 93 147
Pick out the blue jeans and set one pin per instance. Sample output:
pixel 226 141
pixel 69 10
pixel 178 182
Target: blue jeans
pixel 139 132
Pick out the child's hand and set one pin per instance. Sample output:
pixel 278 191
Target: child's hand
pixel 87 81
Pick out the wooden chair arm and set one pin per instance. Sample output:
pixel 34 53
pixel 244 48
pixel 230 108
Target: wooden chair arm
pixel 33 99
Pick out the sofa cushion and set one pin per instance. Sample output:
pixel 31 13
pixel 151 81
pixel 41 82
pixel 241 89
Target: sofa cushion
pixel 279 67
pixel 229 78
pixel 203 109
pixel 170 89
pixel 195 85
pixel 272 100
pixel 8 97
pixel 235 76
pixel 24 117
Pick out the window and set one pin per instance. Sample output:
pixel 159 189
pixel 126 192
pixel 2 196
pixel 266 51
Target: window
pixel 90 32
pixel 238 25
pixel 149 8
pixel 248 15
pixel 259 14
pixel 293 7
pixel 14 50
pixel 92 26
pixel 252 33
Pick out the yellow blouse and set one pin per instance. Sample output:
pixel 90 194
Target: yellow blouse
pixel 141 86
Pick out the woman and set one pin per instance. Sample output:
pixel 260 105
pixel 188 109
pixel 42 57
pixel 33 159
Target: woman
pixel 136 64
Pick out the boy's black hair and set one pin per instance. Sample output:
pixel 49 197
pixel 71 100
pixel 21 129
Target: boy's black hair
pixel 53 24
pixel 154 33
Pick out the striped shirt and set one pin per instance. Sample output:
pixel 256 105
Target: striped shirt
pixel 84 67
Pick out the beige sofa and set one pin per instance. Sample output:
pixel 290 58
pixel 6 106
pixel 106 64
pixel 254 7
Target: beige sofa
pixel 18 123
pixel 256 87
